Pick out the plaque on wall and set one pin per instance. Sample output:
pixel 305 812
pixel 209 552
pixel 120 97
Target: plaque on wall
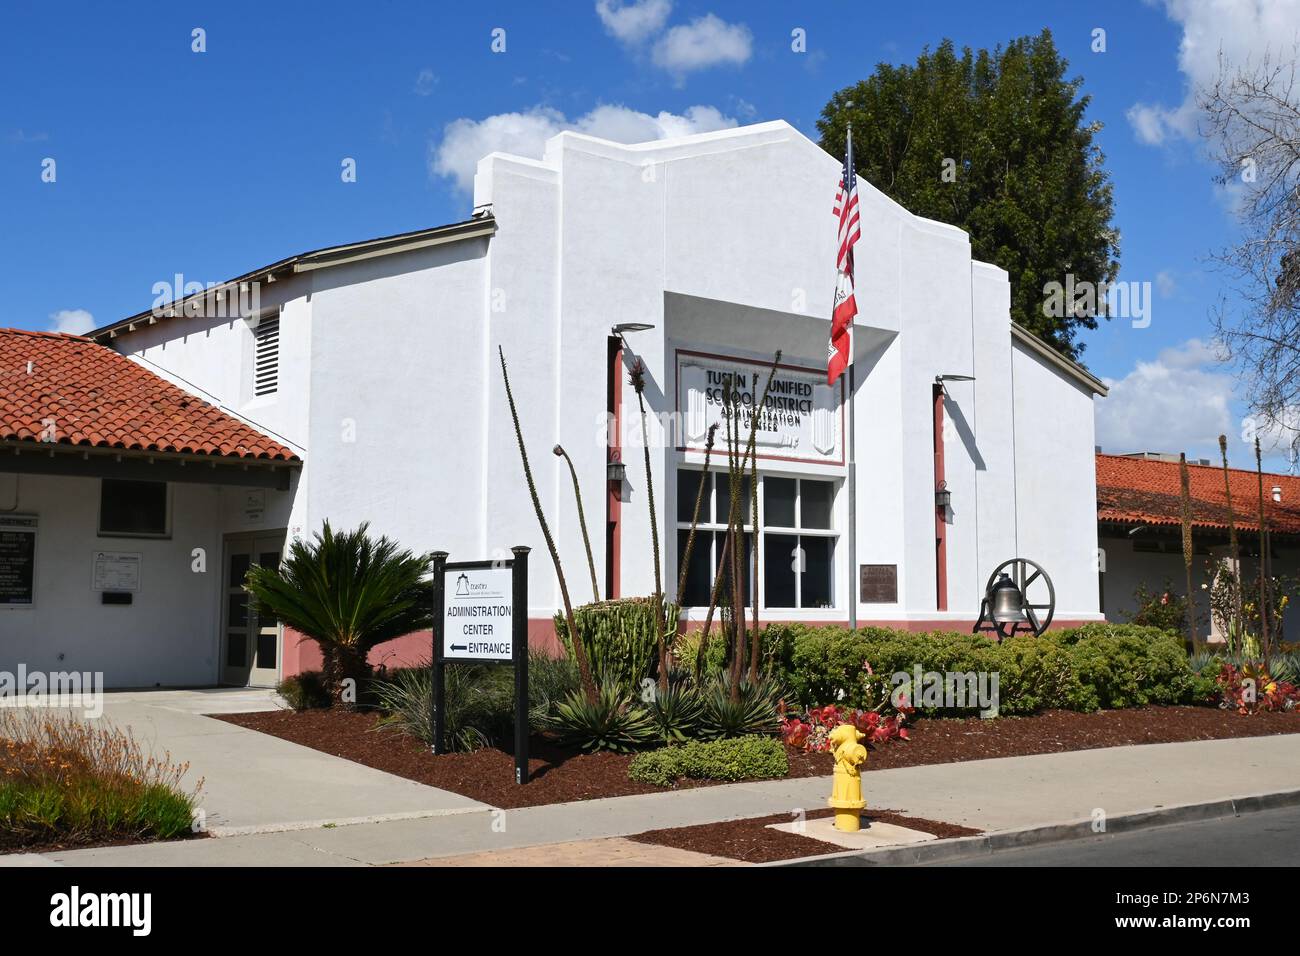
pixel 878 583
pixel 17 559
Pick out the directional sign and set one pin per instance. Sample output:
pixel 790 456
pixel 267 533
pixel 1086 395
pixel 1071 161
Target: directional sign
pixel 477 617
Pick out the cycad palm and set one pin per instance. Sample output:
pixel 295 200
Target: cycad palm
pixel 349 593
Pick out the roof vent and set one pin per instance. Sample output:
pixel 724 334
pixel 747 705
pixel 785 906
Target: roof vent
pixel 266 356
pixel 1277 492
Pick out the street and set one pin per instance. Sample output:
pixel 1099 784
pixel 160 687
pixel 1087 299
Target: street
pixel 1268 838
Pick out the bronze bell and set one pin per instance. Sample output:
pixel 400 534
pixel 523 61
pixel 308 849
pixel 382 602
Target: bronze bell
pixel 1006 601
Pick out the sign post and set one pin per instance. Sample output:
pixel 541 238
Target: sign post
pixel 480 616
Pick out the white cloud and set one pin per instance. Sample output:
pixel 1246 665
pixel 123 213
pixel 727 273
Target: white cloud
pixel 1243 30
pixel 466 141
pixel 1166 284
pixel 1178 402
pixel 633 22
pixel 704 42
pixel 425 82
pixel 72 321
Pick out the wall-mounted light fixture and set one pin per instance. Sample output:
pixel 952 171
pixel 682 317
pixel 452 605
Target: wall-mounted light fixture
pixel 941 379
pixel 615 470
pixel 630 327
pixel 942 496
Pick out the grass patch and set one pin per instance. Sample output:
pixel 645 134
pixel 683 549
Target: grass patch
pixel 68 782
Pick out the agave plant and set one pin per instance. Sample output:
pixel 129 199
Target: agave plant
pixel 349 593
pixel 613 721
pixel 737 710
pixel 677 711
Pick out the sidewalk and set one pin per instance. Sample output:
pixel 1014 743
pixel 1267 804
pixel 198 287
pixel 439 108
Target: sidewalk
pixel 1000 794
pixel 253 781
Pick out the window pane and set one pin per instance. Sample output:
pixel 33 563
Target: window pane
pixel 238 569
pixel 779 557
pixel 815 499
pixel 236 649
pixel 723 496
pixel 237 610
pixel 746 570
pixel 266 650
pixel 688 486
pixel 132 507
pixel 699 579
pixel 778 502
pixel 818 570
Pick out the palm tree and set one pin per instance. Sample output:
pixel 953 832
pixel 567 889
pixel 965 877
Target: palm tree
pixel 349 593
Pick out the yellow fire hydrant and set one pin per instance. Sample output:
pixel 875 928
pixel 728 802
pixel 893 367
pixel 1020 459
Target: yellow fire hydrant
pixel 846 785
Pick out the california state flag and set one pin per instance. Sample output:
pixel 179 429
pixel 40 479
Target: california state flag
pixel 840 350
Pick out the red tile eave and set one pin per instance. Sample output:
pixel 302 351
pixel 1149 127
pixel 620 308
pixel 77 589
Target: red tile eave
pixel 100 399
pixel 1134 491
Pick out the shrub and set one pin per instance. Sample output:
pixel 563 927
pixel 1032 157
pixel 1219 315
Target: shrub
pixel 1251 688
pixel 1085 668
pixel 621 637
pixel 741 758
pixel 1164 610
pixel 811 731
pixel 305 691
pixel 614 721
pixel 62 780
pixel 550 680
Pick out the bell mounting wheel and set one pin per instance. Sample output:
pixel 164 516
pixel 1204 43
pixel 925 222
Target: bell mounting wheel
pixel 1037 599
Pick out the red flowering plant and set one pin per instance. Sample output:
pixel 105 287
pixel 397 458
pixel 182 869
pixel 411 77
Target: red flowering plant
pixel 1249 689
pixel 811 731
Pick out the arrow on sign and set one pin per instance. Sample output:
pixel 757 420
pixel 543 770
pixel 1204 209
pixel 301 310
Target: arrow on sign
pixel 460 647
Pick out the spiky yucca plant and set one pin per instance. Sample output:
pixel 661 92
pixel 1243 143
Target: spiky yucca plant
pixel 579 651
pixel 349 593
pixel 735 709
pixel 582 520
pixel 676 711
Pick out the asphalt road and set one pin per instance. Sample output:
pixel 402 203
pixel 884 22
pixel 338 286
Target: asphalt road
pixel 1268 838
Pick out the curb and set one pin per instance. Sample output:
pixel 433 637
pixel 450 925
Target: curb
pixel 331 823
pixel 963 848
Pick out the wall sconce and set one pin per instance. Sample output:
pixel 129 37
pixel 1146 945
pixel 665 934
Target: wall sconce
pixel 615 470
pixel 942 496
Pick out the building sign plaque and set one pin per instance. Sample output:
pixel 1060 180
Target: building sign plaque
pixel 800 421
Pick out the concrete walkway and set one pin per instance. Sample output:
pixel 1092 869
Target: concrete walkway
pixel 991 795
pixel 255 782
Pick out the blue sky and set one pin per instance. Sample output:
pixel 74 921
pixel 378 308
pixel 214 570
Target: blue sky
pixel 210 164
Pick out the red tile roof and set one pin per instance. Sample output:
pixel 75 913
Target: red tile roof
pixel 97 397
pixel 1143 491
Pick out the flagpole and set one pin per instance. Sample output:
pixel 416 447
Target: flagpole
pixel 853 494
pixel 853 464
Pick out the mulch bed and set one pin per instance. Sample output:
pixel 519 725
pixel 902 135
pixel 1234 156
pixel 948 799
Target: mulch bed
pixel 561 775
pixel 751 841
pixel 557 774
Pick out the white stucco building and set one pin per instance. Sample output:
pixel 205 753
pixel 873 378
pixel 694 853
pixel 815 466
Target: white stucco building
pixel 375 363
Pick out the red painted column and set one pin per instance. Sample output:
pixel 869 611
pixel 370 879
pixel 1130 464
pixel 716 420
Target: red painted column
pixel 940 525
pixel 614 489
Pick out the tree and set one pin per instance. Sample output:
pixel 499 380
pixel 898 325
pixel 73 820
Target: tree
pixel 1251 118
pixel 997 144
pixel 349 593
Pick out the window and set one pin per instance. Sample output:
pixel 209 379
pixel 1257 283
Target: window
pixel 135 508
pixel 266 355
pixel 796 534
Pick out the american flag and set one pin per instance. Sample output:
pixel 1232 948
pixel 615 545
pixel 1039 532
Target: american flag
pixel 840 350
